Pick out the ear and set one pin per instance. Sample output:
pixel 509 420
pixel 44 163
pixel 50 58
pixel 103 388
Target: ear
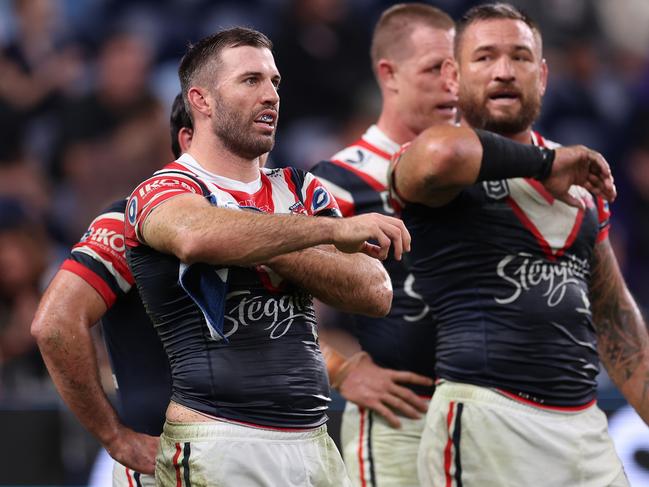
pixel 185 136
pixel 199 100
pixel 386 72
pixel 451 74
pixel 544 77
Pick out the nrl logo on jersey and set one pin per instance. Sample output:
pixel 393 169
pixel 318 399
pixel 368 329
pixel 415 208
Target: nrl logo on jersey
pixel 298 209
pixel 496 190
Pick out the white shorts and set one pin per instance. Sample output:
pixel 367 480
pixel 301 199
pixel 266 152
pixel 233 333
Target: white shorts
pixel 475 436
pixel 125 477
pixel 376 454
pixel 234 455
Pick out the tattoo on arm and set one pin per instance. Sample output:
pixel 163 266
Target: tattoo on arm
pixel 621 332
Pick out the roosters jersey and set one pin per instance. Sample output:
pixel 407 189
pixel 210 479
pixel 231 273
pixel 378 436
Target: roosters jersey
pixel 242 342
pixel 357 177
pixel 139 364
pixel 505 269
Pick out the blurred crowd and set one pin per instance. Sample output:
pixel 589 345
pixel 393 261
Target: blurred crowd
pixel 86 86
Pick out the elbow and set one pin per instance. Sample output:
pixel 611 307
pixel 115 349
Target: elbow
pixel 191 248
pixel 379 297
pixel 43 333
pixel 187 250
pixel 39 329
pixel 442 155
pixel 381 306
pixel 429 168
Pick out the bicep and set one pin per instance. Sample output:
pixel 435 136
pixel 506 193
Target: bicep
pixel 165 227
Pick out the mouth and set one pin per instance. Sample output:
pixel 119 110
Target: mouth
pixel 504 96
pixel 267 119
pixel 449 107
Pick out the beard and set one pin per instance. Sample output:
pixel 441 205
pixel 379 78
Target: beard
pixel 474 110
pixel 235 130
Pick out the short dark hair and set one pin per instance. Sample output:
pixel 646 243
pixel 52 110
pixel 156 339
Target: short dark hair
pixel 398 21
pixel 491 11
pixel 179 119
pixel 205 54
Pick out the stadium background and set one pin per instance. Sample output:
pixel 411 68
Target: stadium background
pixel 85 91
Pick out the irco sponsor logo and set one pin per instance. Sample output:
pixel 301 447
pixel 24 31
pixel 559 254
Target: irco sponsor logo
pixel 106 237
pixel 164 183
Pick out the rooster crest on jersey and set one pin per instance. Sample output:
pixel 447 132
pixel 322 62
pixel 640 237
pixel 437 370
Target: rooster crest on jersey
pixel 132 210
pixel 320 199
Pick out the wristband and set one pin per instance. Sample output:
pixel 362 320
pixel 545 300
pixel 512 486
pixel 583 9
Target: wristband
pixel 342 373
pixel 503 158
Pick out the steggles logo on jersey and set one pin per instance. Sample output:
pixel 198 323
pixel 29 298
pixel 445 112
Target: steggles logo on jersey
pixel 525 272
pixel 278 313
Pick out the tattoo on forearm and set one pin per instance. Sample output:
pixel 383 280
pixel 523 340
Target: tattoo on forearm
pixel 620 329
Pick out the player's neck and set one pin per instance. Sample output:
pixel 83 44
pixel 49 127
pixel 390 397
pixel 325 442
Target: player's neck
pixel 524 136
pixel 390 124
pixel 215 158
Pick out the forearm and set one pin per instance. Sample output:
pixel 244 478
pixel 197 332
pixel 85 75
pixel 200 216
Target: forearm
pixel 71 362
pixel 62 330
pixel 203 233
pixel 623 341
pixel 353 283
pixel 444 159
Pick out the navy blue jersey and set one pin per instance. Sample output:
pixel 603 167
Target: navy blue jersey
pixel 139 364
pixel 242 342
pixel 403 340
pixel 505 269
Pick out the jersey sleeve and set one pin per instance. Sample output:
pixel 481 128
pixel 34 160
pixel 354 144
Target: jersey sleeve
pixel 149 195
pixel 330 176
pixel 603 217
pixel 99 256
pixel 318 201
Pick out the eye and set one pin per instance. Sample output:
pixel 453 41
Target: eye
pixel 483 58
pixel 522 57
pixel 250 81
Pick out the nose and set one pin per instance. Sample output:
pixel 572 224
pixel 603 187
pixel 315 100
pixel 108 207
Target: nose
pixel 270 96
pixel 504 69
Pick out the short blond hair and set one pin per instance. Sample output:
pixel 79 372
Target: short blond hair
pixel 391 34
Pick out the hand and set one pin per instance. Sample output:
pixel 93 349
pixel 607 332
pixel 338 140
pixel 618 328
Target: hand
pixel 583 167
pixel 136 451
pixel 376 388
pixel 352 234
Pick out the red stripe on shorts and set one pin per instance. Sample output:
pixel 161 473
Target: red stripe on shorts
pixel 449 444
pixel 179 481
pixel 128 476
pixel 361 466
